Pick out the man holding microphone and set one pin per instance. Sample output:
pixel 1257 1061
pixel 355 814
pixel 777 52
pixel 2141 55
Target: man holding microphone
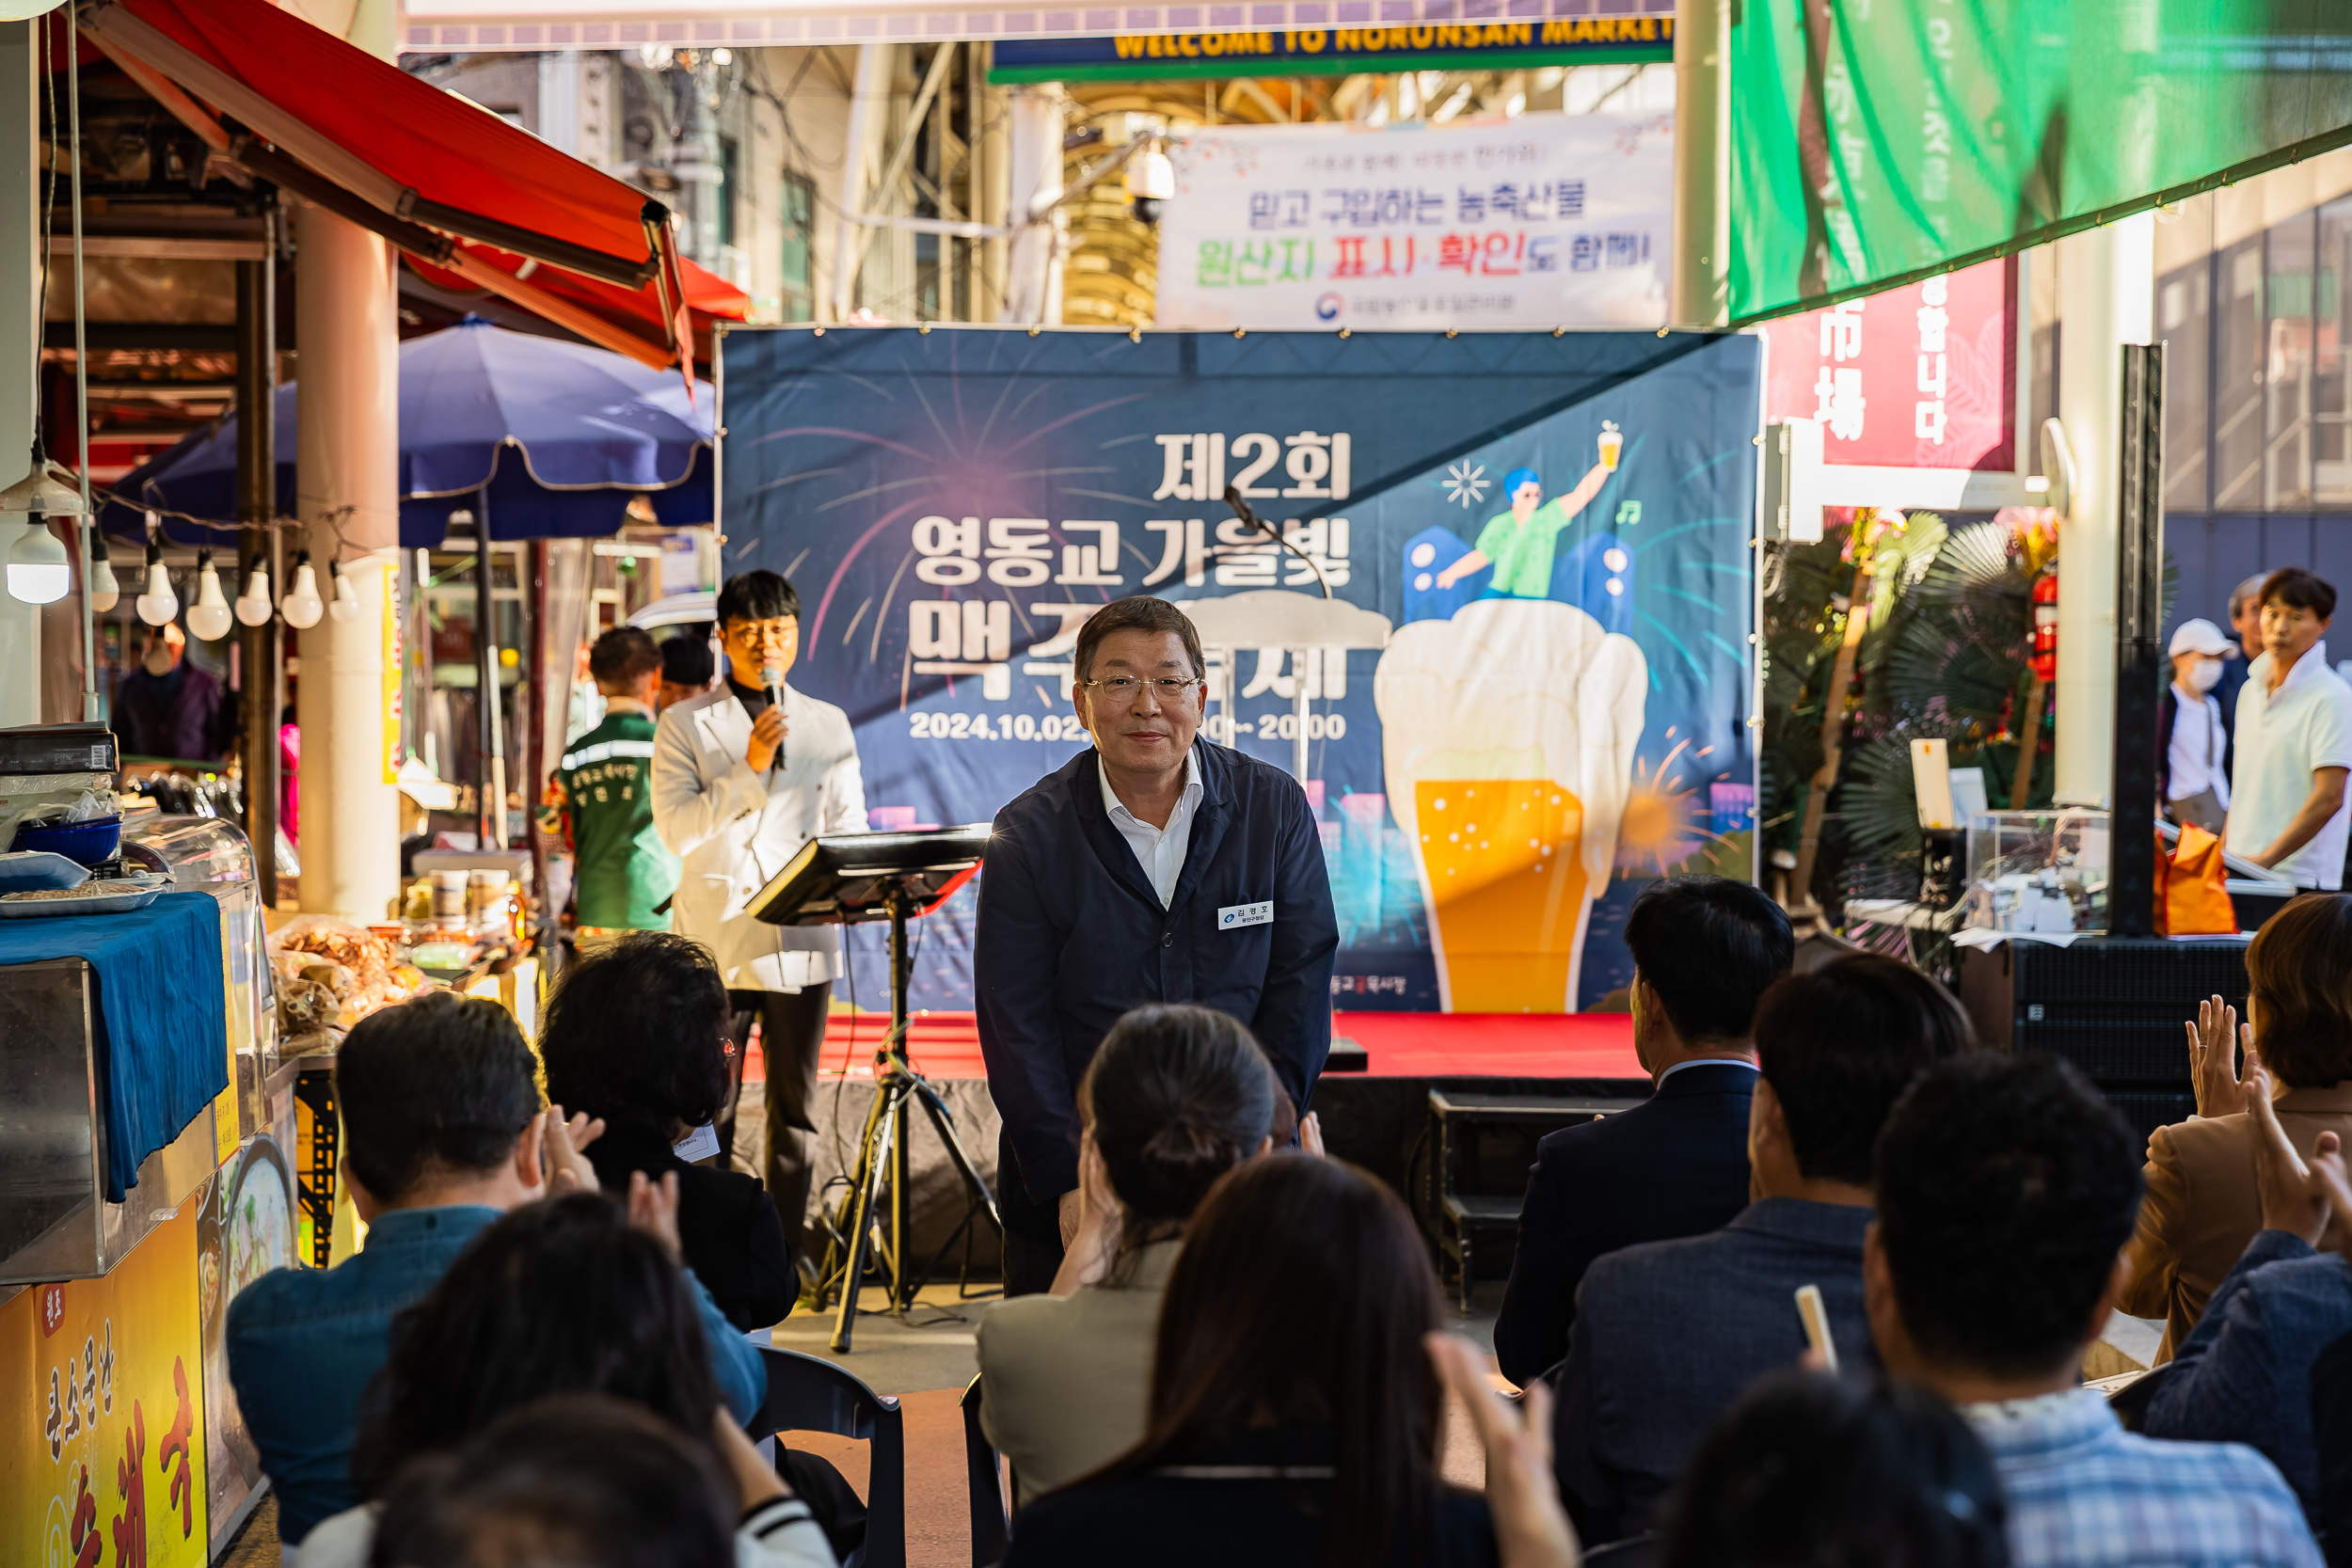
pixel 742 776
pixel 1155 867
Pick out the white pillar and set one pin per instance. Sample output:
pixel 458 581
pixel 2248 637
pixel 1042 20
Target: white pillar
pixel 1033 285
pixel 559 100
pixel 869 95
pixel 1701 287
pixel 347 414
pixel 2107 282
pixel 20 351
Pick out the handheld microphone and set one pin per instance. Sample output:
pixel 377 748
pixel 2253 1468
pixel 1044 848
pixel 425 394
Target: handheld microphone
pixel 772 677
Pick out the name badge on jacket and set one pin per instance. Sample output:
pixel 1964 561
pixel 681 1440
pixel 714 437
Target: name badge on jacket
pixel 1234 916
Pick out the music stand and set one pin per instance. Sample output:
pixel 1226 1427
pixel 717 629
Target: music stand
pixel 856 879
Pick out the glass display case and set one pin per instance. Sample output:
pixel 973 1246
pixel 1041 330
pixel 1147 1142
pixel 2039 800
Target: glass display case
pixel 2042 872
pixel 210 855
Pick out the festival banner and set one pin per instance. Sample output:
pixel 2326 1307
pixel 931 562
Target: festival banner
pixel 1923 376
pixel 1552 533
pixel 1544 220
pixel 105 1459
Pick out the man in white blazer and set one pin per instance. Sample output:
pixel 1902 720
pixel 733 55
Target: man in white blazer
pixel 740 783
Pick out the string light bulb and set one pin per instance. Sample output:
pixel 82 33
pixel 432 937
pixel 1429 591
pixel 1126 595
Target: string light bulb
pixel 253 607
pixel 158 604
pixel 345 604
pixel 104 591
pixel 302 607
pixel 209 618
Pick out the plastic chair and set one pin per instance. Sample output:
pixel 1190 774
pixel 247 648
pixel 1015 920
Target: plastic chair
pixel 808 1393
pixel 990 1539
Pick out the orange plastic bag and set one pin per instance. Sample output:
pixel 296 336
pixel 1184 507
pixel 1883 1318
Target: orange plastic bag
pixel 2192 887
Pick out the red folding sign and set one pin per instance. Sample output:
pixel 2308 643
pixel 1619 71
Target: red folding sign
pixel 1923 376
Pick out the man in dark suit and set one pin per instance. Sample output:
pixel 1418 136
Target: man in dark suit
pixel 1151 868
pixel 1668 1332
pixel 1704 950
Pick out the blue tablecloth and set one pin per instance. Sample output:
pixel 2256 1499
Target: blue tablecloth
pixel 162 1021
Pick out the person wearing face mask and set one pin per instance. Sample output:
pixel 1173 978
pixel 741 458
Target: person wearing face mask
pixel 167 707
pixel 2192 768
pixel 742 776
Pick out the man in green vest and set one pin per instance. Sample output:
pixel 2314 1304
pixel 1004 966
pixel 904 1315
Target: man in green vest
pixel 600 798
pixel 1518 543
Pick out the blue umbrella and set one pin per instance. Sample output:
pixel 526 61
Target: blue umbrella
pixel 551 440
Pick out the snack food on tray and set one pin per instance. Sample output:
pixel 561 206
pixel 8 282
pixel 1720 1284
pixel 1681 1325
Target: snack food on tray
pixel 88 890
pixel 362 970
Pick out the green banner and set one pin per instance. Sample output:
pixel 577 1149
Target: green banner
pixel 1874 143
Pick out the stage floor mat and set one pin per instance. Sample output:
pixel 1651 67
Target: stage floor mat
pixel 1396 1045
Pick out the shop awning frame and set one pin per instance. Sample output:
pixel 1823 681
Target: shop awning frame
pixel 279 145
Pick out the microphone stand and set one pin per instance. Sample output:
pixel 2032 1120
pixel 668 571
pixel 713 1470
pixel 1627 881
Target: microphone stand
pixel 1241 510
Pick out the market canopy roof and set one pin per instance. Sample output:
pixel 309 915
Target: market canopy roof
pixel 1874 145
pixel 446 180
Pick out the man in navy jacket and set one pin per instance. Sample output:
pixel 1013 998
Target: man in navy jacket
pixel 1153 868
pixel 1705 948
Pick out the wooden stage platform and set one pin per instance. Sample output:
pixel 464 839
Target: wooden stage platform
pixel 1425 1046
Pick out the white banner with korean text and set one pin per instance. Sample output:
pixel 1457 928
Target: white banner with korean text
pixel 1540 221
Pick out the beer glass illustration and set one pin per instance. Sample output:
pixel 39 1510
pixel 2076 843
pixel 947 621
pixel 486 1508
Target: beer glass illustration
pixel 1508 735
pixel 1612 444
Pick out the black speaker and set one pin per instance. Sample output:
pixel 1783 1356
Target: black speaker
pixel 2112 1006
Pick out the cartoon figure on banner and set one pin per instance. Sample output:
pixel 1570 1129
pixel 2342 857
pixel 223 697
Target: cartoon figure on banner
pixel 1509 724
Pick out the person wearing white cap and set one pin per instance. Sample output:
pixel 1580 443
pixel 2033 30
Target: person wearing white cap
pixel 2192 768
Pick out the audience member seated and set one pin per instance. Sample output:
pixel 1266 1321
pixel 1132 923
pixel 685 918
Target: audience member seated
pixel 2331 1439
pixel 1667 1334
pixel 1295 1409
pixel 2202 1209
pixel 1829 1473
pixel 1704 950
pixel 2005 1195
pixel 2245 1375
pixel 586 1481
pixel 636 1034
pixel 569 1297
pixel 1176 1097
pixel 441 1133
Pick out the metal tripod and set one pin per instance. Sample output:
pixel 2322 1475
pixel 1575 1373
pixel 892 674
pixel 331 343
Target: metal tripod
pixel 852 1230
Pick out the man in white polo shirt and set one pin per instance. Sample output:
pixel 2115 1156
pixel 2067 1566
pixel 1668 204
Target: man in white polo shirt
pixel 2294 741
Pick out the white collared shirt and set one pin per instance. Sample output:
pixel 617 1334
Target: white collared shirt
pixel 1704 1061
pixel 2282 738
pixel 1159 851
pixel 2198 746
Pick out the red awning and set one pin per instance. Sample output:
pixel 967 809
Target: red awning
pixel 709 296
pixel 448 182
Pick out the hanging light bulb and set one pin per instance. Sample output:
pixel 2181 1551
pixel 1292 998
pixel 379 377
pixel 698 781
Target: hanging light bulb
pixel 253 607
pixel 302 606
pixel 157 604
pixel 104 591
pixel 209 618
pixel 347 601
pixel 38 573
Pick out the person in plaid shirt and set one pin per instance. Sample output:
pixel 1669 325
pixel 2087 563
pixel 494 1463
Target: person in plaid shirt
pixel 2006 1192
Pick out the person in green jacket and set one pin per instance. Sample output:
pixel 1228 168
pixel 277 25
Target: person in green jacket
pixel 1520 544
pixel 600 800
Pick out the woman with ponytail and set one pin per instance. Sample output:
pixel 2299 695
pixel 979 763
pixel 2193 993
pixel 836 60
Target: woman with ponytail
pixel 1176 1097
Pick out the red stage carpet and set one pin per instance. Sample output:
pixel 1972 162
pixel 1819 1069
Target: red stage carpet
pixel 1398 1045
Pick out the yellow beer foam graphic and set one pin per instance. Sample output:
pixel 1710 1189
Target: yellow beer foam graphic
pixel 1523 701
pixel 1506 885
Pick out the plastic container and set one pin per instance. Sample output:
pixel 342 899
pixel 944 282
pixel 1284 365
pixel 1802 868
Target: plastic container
pixel 2038 871
pixel 93 842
